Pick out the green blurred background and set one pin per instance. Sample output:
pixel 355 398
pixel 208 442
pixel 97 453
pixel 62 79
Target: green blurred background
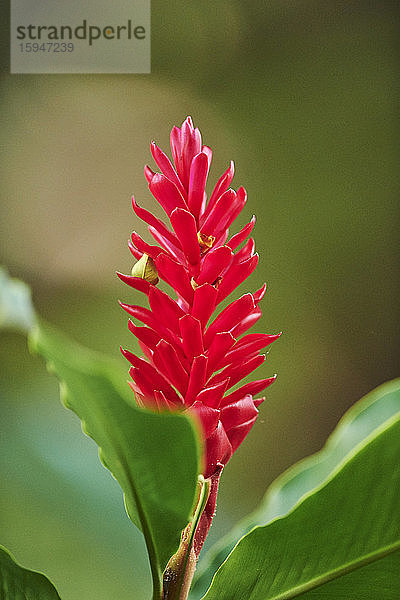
pixel 303 96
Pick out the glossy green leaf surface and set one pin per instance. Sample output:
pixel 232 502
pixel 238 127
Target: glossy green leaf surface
pixel 359 422
pixel 16 309
pixel 17 583
pixel 342 541
pixel 154 457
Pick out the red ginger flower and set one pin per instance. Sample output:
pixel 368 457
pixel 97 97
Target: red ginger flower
pixel 191 364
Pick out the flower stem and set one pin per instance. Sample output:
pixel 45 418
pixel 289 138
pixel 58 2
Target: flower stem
pixel 180 569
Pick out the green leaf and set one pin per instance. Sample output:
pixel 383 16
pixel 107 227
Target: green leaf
pixel 16 309
pixel 154 457
pixel 299 480
pixel 342 541
pixel 17 583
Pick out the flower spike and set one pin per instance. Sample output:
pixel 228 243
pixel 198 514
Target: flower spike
pixel 190 363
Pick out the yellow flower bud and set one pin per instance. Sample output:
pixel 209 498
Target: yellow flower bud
pixel 146 269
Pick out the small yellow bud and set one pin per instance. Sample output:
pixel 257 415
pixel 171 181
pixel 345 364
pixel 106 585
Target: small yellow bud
pixel 146 269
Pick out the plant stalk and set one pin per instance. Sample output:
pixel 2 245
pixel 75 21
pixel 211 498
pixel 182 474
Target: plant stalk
pixel 180 570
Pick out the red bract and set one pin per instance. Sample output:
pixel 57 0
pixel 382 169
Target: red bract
pixel 193 360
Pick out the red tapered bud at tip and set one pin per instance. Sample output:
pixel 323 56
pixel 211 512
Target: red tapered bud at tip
pixel 191 145
pixel 188 122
